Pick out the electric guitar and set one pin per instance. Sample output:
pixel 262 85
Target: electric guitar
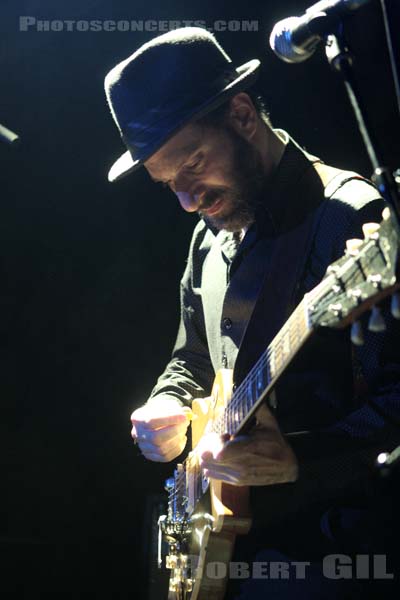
pixel 205 516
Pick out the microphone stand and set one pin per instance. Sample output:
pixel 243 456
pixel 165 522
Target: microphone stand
pixel 340 59
pixel 387 464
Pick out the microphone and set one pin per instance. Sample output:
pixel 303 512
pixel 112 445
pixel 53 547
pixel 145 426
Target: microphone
pixel 296 38
pixel 8 136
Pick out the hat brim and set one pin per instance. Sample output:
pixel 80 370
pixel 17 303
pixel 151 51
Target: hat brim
pixel 247 74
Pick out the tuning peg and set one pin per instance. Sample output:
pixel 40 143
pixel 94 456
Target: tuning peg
pixel 370 228
pixel 376 322
pixel 357 335
pixel 353 245
pixel 395 306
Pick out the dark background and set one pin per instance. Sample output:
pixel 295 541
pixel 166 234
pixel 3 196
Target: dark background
pixel 90 274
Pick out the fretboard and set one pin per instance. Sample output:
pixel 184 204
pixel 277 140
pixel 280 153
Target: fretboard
pixel 262 378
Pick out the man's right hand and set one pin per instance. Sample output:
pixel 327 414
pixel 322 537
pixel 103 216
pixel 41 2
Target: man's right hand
pixel 159 428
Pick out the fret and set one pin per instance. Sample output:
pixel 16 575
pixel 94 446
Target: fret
pixel 225 421
pixel 218 426
pixel 260 381
pixel 278 359
pixel 249 394
pixel 236 417
pixel 286 342
pixel 272 365
pixel 269 370
pixel 230 422
pixel 250 399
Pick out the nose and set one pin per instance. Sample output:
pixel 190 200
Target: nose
pixel 189 192
pixel 189 202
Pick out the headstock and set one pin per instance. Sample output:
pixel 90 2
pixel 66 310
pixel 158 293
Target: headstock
pixel 358 281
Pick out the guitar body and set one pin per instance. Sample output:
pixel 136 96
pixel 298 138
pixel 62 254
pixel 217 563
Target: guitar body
pixel 220 515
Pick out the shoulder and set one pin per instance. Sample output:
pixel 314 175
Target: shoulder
pixel 351 201
pixel 351 193
pixel 340 217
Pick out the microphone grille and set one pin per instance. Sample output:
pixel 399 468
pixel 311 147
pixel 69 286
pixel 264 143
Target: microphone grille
pixel 281 41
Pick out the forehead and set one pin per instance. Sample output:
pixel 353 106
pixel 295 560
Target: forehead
pixel 176 150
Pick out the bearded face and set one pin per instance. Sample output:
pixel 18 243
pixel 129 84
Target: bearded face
pixel 214 171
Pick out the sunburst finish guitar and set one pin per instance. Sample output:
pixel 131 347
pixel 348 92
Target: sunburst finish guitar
pixel 205 516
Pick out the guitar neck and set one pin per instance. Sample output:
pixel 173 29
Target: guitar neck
pixel 262 378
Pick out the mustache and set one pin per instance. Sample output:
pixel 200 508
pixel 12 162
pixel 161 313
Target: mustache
pixel 211 197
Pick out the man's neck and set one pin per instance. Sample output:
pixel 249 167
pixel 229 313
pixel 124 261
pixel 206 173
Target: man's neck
pixel 272 147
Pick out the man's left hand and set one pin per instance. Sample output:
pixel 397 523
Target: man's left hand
pixel 261 458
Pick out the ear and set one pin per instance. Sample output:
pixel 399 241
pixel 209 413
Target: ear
pixel 243 116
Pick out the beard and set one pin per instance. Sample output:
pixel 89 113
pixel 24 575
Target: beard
pixel 241 199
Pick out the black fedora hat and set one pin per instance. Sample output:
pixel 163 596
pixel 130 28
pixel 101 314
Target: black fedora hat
pixel 173 79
